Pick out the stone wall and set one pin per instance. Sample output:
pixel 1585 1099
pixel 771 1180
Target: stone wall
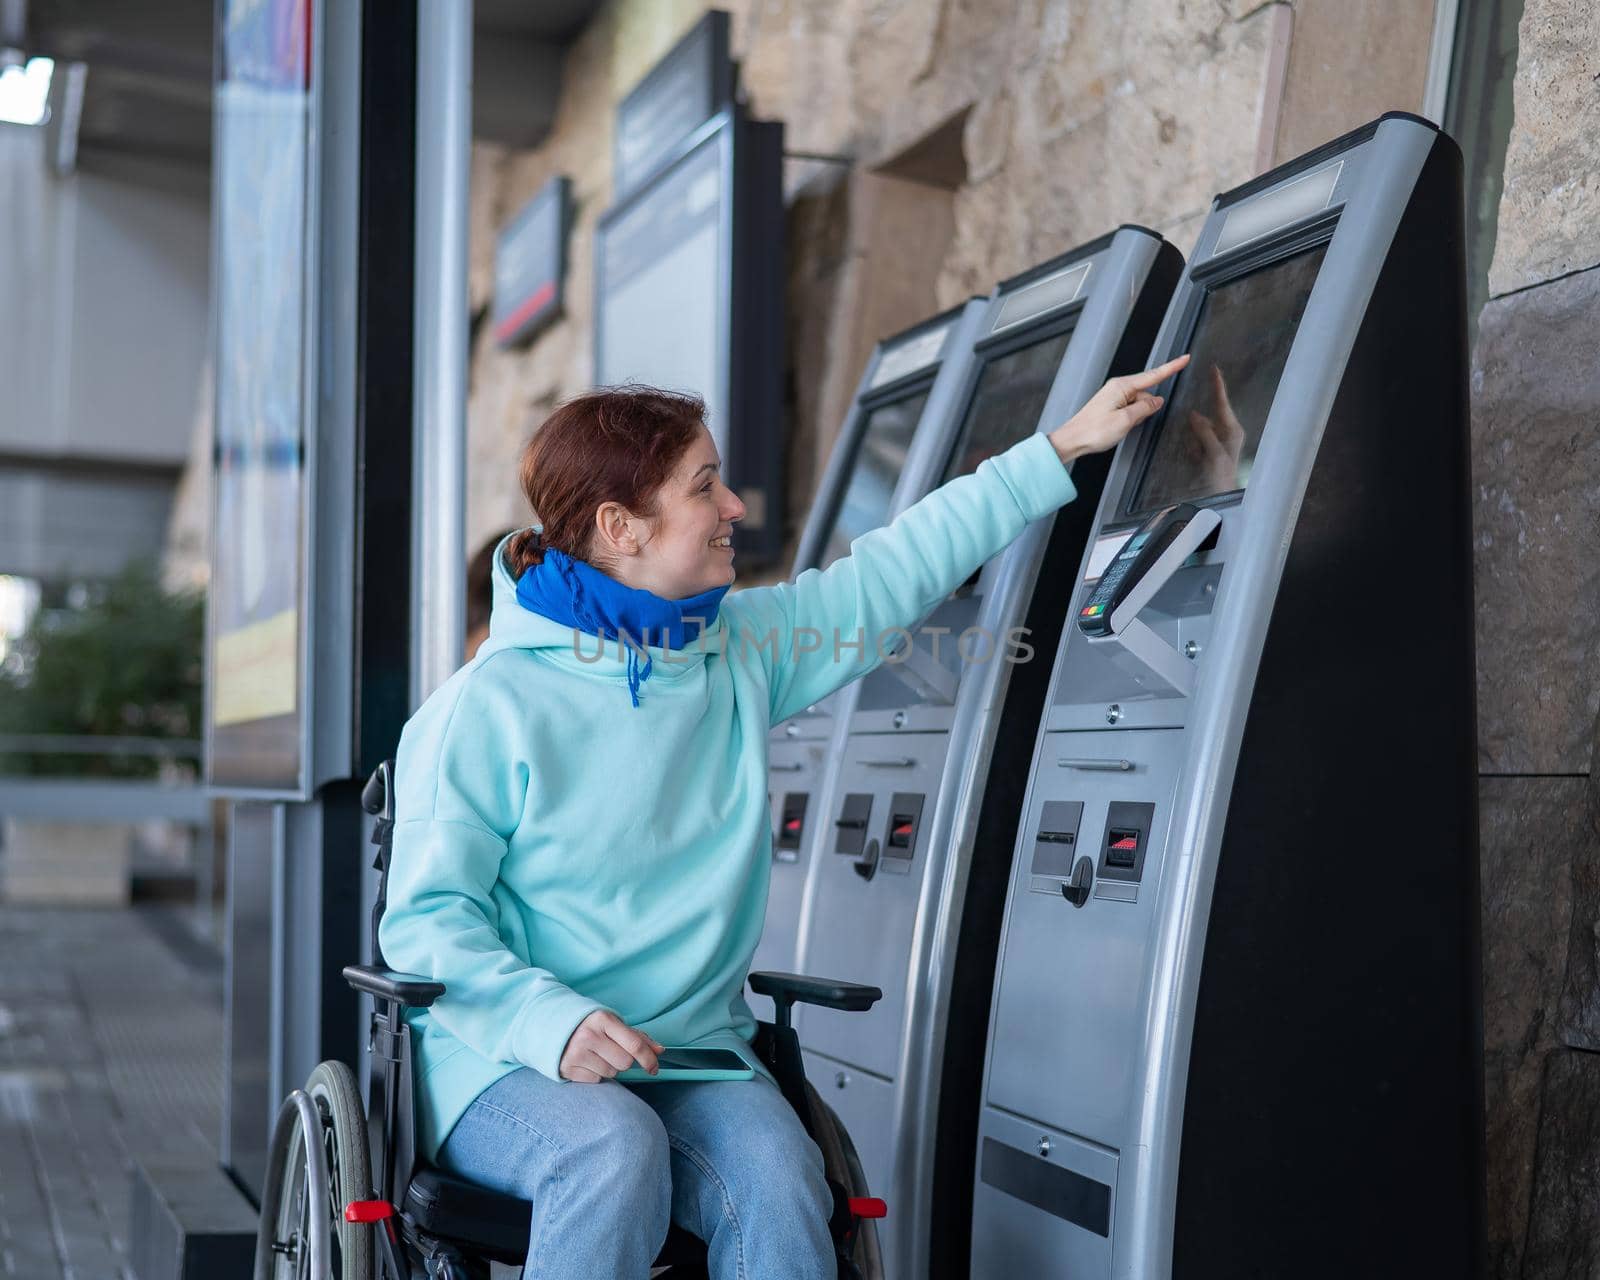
pixel 1536 451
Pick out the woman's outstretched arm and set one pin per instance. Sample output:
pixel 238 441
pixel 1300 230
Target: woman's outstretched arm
pixel 830 626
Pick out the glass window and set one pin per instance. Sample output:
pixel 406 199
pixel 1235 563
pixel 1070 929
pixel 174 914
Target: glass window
pixel 880 459
pixel 1241 342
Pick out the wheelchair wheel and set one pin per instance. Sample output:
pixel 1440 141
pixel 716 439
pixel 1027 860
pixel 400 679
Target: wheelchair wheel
pixel 302 1234
pixel 843 1165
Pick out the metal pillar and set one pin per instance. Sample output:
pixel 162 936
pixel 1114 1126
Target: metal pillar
pixel 439 349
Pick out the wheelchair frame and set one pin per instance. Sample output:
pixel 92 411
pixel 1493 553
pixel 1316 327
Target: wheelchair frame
pixel 397 1206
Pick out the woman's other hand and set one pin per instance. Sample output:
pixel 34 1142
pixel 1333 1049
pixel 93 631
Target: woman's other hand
pixel 603 1045
pixel 1113 411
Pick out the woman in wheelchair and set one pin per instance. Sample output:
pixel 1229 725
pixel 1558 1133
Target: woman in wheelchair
pixel 581 837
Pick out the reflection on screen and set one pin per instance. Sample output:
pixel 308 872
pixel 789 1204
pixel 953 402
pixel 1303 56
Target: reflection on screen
pixel 1007 404
pixel 1241 341
pixel 880 458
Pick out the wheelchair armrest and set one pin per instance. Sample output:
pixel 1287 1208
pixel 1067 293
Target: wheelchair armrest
pixel 786 988
pixel 406 988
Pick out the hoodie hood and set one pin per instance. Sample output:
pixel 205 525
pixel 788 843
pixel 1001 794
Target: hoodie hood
pixel 512 626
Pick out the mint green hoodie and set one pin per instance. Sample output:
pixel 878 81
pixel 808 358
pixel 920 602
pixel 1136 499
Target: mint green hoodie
pixel 558 851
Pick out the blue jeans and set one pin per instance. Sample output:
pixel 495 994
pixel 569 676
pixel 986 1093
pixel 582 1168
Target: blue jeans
pixel 607 1166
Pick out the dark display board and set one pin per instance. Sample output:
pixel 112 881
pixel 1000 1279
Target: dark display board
pixel 880 459
pixel 265 251
pixel 689 296
pixel 530 270
pixel 692 83
pixel 663 278
pixel 1207 441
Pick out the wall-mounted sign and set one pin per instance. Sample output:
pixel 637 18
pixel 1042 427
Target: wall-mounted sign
pixel 689 295
pixel 693 82
pixel 257 722
pixel 530 269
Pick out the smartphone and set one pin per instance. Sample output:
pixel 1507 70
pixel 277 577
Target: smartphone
pixel 692 1064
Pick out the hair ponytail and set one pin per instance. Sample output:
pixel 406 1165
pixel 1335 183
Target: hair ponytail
pixel 526 549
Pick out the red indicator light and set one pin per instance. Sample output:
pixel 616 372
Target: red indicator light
pixel 791 824
pixel 904 829
pixel 1128 843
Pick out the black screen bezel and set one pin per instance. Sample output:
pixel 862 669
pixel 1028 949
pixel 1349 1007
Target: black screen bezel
pixel 998 347
pixel 1220 272
pixel 897 392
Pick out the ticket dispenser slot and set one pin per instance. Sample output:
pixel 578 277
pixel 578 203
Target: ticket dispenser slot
pixel 1122 848
pixel 1055 846
pixel 791 826
pixel 905 820
pixel 852 824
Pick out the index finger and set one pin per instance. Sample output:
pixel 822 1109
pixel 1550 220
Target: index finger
pixel 636 1043
pixel 1151 377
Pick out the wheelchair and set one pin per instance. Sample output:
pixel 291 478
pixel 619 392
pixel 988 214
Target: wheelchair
pixel 347 1195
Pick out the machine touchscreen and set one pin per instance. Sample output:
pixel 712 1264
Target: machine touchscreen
pixel 880 458
pixel 1006 405
pixel 1208 438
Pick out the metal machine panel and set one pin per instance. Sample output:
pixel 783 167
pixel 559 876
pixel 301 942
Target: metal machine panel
pixel 921 367
pixel 1043 1198
pixel 1070 981
pixel 869 900
pixel 795 772
pixel 862 1103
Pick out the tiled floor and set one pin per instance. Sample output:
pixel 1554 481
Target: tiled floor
pixel 110 1045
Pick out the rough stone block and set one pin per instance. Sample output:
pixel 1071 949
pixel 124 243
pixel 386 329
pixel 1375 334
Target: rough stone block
pixel 1530 832
pixel 1550 206
pixel 1350 60
pixel 1564 1226
pixel 1580 1000
pixel 1536 489
pixel 1048 157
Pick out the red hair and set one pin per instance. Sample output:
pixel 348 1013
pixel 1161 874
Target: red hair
pixel 614 444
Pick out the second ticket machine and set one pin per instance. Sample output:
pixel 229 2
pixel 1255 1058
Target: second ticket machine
pixel 906 391
pixel 1235 1027
pixel 893 897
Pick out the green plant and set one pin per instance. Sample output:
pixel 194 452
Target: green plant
pixel 120 657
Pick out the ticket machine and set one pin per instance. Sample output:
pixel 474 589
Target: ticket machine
pixel 1235 1025
pixel 892 894
pixel 908 389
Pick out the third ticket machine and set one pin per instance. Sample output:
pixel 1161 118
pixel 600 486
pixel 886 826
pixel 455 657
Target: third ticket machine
pixel 1235 1027
pixel 907 389
pixel 894 896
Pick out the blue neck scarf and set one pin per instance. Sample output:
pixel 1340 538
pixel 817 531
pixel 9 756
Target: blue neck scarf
pixel 578 595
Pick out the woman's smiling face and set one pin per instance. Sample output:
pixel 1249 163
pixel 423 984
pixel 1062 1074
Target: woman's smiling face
pixel 685 548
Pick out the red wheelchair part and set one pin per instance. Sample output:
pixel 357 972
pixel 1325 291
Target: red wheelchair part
pixel 368 1211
